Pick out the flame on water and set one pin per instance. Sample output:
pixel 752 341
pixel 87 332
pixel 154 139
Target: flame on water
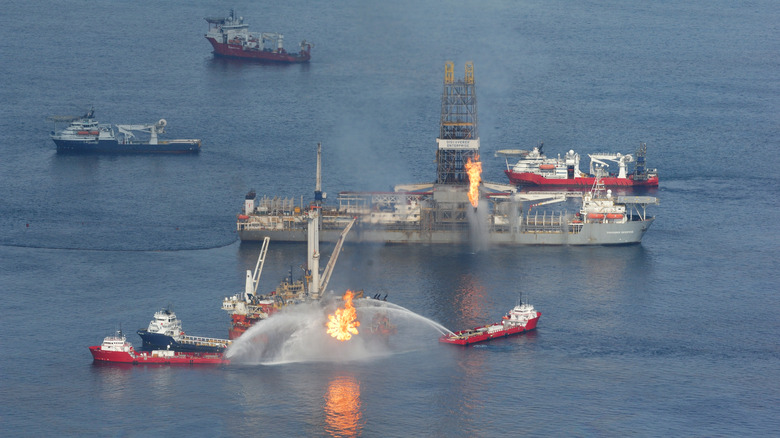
pixel 344 323
pixel 474 170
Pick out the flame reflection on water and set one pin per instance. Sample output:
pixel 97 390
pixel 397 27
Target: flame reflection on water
pixel 342 407
pixel 470 298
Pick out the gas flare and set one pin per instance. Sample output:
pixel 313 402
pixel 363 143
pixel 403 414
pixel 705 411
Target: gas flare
pixel 344 323
pixel 474 170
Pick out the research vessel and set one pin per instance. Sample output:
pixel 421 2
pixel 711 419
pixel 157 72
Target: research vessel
pixel 457 208
pixel 165 333
pixel 116 349
pixel 535 169
pixel 231 37
pixel 522 318
pixel 85 135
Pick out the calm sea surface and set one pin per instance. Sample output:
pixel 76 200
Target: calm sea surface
pixel 676 336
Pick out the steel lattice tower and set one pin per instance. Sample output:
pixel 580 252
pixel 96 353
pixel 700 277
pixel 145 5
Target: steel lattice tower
pixel 458 136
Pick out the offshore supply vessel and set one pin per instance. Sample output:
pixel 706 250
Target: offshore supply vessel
pixel 85 135
pixel 231 37
pixel 116 349
pixel 523 317
pixel 165 333
pixel 535 169
pixel 442 213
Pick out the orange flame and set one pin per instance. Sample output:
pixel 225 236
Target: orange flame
pixel 474 170
pixel 344 323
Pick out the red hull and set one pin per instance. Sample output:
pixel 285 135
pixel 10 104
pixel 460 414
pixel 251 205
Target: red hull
pixel 527 178
pixel 460 338
pixel 132 357
pixel 241 323
pixel 235 51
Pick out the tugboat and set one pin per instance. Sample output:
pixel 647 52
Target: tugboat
pixel 165 333
pixel 523 317
pixel 86 135
pixel 535 169
pixel 231 37
pixel 116 349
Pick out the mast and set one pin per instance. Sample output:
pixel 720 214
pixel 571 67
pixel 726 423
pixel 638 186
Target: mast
pixel 313 254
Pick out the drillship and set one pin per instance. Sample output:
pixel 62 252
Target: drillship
pixel 231 37
pixel 458 208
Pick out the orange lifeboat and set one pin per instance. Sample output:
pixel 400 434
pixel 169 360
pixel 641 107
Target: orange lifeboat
pixel 242 217
pixel 595 215
pixel 614 216
pixel 547 166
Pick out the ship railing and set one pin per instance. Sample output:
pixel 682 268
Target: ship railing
pixel 634 203
pixel 395 226
pixel 200 340
pixel 544 221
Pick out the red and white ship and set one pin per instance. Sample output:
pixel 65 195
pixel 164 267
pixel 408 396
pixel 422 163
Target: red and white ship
pixel 535 169
pixel 116 349
pixel 230 37
pixel 521 318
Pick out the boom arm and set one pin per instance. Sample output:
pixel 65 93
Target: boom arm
pixel 153 130
pixel 621 159
pixel 336 251
pixel 253 280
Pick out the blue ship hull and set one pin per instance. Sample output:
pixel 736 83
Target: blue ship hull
pixel 156 341
pixel 114 147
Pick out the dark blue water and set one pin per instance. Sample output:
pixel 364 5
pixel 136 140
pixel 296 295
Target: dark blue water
pixel 676 336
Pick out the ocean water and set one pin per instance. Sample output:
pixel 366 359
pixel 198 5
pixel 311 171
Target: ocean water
pixel 676 336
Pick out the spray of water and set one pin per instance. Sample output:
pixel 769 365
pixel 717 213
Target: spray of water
pixel 299 334
pixel 404 313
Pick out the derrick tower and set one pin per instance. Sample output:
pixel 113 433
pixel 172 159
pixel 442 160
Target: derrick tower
pixel 458 136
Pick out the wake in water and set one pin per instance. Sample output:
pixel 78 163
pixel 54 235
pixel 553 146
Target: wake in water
pixel 299 334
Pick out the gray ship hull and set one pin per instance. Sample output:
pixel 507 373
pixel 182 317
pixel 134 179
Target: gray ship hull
pixel 630 232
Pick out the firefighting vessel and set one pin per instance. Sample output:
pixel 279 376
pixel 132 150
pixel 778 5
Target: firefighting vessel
pixel 523 317
pixel 165 333
pixel 231 37
pixel 116 349
pixel 535 169
pixel 85 135
pixel 442 212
